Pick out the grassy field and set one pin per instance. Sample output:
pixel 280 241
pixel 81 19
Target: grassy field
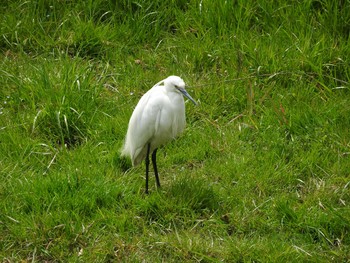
pixel 261 173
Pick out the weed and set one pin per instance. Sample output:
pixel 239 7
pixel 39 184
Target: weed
pixel 260 174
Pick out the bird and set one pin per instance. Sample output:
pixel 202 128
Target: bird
pixel 158 117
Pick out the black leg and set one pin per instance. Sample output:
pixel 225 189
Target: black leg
pixel 154 162
pixel 147 166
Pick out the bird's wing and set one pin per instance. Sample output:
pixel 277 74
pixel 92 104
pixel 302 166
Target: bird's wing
pixel 146 121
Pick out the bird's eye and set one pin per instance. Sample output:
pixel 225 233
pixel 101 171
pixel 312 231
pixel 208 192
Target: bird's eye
pixel 176 86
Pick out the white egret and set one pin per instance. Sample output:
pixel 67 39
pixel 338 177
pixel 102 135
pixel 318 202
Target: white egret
pixel 158 118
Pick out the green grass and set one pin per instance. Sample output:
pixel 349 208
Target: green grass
pixel 261 174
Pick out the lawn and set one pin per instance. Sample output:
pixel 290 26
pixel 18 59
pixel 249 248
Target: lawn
pixel 260 174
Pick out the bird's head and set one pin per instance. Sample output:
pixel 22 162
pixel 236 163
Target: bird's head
pixel 178 83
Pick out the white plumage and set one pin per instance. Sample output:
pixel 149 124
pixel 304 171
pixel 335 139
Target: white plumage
pixel 158 118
